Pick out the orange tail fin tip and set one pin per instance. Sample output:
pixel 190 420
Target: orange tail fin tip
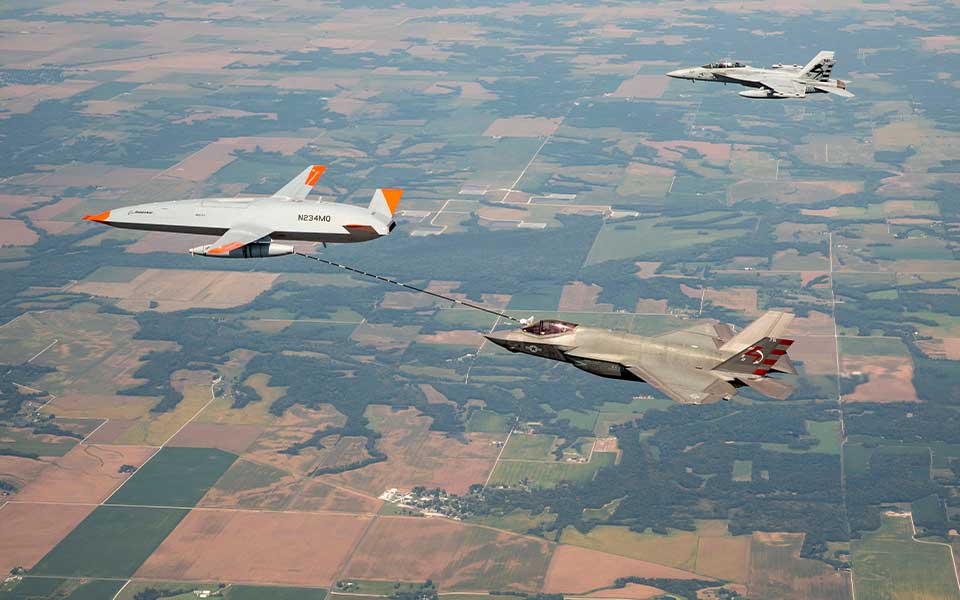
pixel 100 218
pixel 393 199
pixel 315 173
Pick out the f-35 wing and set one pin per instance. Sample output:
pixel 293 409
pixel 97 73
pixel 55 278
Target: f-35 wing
pixel 682 385
pixel 832 89
pixel 244 241
pixel 706 335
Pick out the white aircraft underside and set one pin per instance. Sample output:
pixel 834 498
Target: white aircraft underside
pixel 248 227
pixel 779 81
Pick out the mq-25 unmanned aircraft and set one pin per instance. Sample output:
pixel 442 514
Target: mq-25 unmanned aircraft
pixel 249 227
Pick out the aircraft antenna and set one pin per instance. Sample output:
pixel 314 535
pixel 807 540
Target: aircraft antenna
pixel 411 287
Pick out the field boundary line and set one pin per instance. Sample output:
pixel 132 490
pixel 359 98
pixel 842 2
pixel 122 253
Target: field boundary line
pixel 105 421
pixel 497 461
pixel 213 396
pixel 953 559
pixel 50 345
pixel 123 587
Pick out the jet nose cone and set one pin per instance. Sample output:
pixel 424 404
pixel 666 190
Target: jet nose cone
pixel 678 74
pixel 100 218
pixel 501 340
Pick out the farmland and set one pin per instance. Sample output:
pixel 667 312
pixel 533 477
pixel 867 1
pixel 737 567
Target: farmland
pixel 193 470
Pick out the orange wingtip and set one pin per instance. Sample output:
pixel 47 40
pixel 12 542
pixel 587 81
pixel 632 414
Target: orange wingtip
pixel 393 199
pixel 225 249
pixel 315 173
pixel 104 216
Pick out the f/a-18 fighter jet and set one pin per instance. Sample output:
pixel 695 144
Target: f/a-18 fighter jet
pixel 249 227
pixel 779 81
pixel 698 365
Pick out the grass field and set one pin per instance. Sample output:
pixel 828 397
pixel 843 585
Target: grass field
pixel 641 238
pixel 23 440
pixel 873 346
pixel 827 434
pixel 31 589
pixel 484 421
pixel 248 475
pixel 742 470
pixel 154 429
pixel 256 592
pixel 529 447
pixel 518 520
pixel 175 477
pixel 889 565
pixel 112 542
pixel 548 474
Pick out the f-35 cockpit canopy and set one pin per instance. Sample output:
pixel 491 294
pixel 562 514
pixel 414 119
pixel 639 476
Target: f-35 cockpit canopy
pixel 726 64
pixel 550 327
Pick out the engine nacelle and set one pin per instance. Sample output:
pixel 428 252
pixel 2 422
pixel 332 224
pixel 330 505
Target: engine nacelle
pixel 763 94
pixel 251 250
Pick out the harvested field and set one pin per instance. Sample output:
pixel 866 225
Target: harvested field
pixel 454 555
pixel 890 378
pixel 674 150
pixel 201 165
pixel 109 431
pixel 522 127
pixel 123 408
pixel 944 348
pixel 248 484
pixel 51 211
pixel 20 471
pixel 167 290
pixel 421 457
pixel 11 203
pixel 318 496
pixel 384 337
pixel 642 86
pixel 818 354
pixel 32 530
pixel 87 473
pixel 154 429
pixel 256 547
pixel 456 337
pixel 16 233
pixel 232 438
pixel 296 425
pixel 577 570
pixel 777 571
pixel 579 296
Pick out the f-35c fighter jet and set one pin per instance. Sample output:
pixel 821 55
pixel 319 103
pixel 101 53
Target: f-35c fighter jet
pixel 779 81
pixel 249 227
pixel 699 365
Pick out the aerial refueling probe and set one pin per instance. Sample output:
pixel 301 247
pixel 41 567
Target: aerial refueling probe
pixel 411 287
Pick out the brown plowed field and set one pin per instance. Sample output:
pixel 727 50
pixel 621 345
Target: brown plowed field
pixel 85 474
pixel 318 496
pixel 890 378
pixel 32 530
pixel 232 438
pixel 576 570
pixel 421 457
pixel 110 431
pixel 256 547
pixel 20 471
pixel 454 555
pixel 101 406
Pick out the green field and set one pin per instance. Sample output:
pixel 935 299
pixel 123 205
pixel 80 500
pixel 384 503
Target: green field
pixel 23 440
pixel 644 238
pixel 248 475
pixel 518 520
pixel 529 447
pixel 873 346
pixel 484 421
pixel 376 587
pixel 256 592
pixel 827 434
pixel 170 590
pixel 114 274
pixel 742 470
pixel 43 588
pixel 175 477
pixel 113 541
pixel 548 474
pixel 889 565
